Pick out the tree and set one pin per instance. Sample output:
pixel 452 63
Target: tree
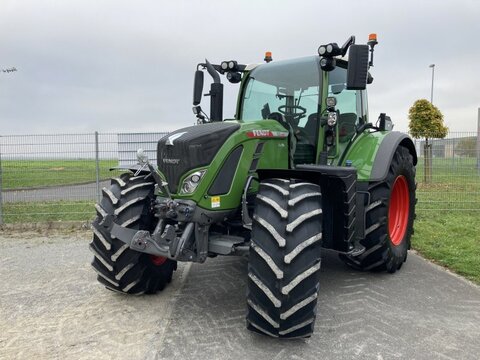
pixel 467 146
pixel 426 121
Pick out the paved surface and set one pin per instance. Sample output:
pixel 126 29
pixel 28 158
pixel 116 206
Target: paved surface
pixel 51 307
pixel 54 193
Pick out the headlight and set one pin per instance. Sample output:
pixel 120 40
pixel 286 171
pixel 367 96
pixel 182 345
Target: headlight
pixel 191 182
pixel 332 118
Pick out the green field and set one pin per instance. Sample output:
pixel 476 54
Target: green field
pixel 33 212
pixel 459 170
pixel 451 239
pixel 455 185
pixel 21 174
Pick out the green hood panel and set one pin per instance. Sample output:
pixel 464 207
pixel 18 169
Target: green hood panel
pixel 250 135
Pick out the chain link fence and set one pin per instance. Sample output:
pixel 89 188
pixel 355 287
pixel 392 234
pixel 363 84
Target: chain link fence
pixel 453 181
pixel 59 177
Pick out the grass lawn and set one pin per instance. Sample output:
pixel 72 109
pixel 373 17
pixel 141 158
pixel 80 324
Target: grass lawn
pixel 38 173
pixel 455 185
pixel 22 212
pixel 451 239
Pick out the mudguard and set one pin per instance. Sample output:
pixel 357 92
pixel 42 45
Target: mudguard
pixel 385 153
pixel 371 153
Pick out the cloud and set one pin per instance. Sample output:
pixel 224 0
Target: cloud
pixel 128 66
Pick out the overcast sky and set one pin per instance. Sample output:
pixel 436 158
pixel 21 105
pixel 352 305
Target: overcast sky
pixel 128 65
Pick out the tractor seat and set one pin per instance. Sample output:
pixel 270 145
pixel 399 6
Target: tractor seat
pixel 311 127
pixel 346 126
pixel 305 149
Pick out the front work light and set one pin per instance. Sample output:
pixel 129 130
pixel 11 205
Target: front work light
pixel 234 77
pixel 327 63
pixel 332 119
pixel 191 182
pixel 331 101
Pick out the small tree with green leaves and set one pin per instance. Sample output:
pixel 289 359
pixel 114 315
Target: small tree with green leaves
pixel 426 121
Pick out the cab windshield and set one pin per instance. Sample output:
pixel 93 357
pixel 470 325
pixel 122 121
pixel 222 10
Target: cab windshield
pixel 284 90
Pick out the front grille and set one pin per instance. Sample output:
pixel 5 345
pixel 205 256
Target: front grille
pixel 195 148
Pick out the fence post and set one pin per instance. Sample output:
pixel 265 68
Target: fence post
pixel 97 166
pixel 478 142
pixel 1 199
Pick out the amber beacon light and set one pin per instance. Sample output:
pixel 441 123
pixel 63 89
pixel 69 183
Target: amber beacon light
pixel 268 56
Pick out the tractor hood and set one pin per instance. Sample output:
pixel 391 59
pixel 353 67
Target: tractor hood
pixel 189 148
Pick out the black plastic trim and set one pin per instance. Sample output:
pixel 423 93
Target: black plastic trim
pixel 223 181
pixel 253 165
pixel 259 148
pixel 385 153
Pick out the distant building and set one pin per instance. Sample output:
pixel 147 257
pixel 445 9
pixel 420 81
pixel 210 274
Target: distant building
pixel 445 148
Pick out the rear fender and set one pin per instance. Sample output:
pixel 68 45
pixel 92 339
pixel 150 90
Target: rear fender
pixel 386 151
pixel 371 153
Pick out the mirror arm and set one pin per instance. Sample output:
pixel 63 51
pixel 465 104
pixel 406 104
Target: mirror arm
pixel 213 73
pixel 350 41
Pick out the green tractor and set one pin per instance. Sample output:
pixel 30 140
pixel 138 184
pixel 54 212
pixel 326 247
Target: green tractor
pixel 299 168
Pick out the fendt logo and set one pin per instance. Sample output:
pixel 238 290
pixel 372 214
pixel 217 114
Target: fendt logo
pixel 261 133
pixel 171 161
pixel 266 133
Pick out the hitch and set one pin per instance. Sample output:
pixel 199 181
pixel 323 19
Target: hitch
pixel 166 243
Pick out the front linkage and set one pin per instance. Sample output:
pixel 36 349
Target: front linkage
pixel 182 232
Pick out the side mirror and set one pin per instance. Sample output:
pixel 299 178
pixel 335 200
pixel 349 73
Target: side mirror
pixel 198 87
pixel 357 67
pixel 337 88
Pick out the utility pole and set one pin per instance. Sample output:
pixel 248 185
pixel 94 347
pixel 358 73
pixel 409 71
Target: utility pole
pixel 6 70
pixel 433 75
pixel 478 143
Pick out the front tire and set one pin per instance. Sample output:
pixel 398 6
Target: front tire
pixel 129 202
pixel 389 218
pixel 284 261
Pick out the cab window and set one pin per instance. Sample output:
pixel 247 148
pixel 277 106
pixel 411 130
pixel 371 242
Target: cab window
pixel 349 103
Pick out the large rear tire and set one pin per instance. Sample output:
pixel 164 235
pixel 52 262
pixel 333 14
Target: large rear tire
pixel 284 261
pixel 129 202
pixel 389 218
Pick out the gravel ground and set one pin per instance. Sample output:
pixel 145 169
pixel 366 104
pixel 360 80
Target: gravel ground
pixel 51 307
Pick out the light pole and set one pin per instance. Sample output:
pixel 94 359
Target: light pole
pixel 433 75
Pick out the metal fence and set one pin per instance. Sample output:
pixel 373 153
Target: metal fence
pixel 58 177
pixel 454 183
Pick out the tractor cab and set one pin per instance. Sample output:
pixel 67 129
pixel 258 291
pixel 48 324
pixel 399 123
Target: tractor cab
pixel 320 100
pixel 291 93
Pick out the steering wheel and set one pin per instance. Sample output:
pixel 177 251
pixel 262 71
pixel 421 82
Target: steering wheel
pixel 296 112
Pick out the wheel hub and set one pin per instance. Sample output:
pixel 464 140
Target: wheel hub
pixel 158 260
pixel 398 211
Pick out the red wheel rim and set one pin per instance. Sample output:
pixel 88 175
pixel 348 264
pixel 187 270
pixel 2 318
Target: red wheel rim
pixel 158 260
pixel 398 210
